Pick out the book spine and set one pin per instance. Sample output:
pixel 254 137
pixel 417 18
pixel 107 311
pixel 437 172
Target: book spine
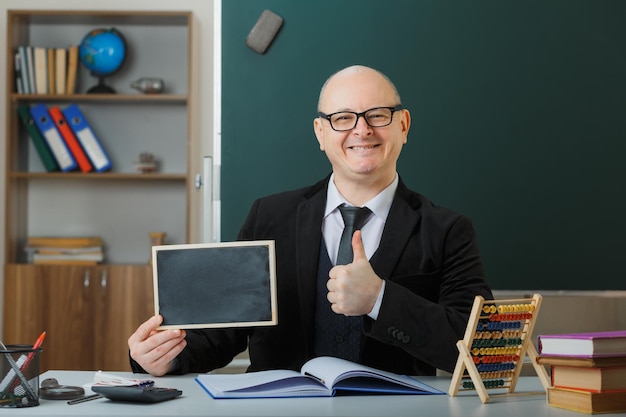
pixel 64 262
pixel 21 50
pixel 92 257
pixel 31 69
pixel 66 242
pixel 70 140
pixel 87 138
pixel 60 61
pixel 44 152
pixel 53 138
pixel 72 68
pixel 41 70
pixel 19 88
pixel 51 76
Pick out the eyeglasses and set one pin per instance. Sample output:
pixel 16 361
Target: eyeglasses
pixel 346 120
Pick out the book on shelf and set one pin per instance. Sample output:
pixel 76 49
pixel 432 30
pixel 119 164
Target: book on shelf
pixel 23 62
pixel 602 379
pixel 80 262
pixel 72 69
pixel 586 401
pixel 319 377
pixel 60 70
pixel 40 56
pixel 87 138
pixel 17 63
pixel 30 65
pixel 55 142
pixel 64 242
pixel 70 139
pixel 51 67
pixel 51 250
pixel 593 344
pixel 43 258
pixel 51 71
pixel 47 158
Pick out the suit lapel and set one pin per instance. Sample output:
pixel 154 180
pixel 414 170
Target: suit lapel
pixel 399 227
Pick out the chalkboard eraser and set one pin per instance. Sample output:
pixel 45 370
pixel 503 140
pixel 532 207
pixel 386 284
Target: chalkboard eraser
pixel 264 31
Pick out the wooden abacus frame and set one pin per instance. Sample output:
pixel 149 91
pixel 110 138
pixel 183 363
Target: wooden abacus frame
pixel 497 339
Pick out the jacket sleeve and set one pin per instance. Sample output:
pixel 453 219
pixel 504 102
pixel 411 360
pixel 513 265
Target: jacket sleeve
pixel 426 313
pixel 209 349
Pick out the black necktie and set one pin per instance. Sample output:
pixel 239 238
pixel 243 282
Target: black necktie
pixel 353 219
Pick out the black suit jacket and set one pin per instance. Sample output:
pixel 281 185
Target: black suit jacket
pixel 428 256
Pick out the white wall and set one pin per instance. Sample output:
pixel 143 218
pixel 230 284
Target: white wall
pixel 203 38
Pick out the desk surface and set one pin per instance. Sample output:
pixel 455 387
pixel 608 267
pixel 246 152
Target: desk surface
pixel 196 402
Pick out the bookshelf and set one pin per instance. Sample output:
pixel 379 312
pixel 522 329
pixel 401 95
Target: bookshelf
pixel 123 206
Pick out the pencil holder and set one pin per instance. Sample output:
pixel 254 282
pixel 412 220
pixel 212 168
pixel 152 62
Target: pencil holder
pixel 19 376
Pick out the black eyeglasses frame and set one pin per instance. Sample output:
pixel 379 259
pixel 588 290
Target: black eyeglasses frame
pixel 362 114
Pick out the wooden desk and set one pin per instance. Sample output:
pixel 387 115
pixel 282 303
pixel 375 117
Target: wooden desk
pixel 196 402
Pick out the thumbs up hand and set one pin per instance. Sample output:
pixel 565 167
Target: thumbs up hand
pixel 353 288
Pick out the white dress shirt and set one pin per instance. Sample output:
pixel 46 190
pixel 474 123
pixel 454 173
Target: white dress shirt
pixel 371 232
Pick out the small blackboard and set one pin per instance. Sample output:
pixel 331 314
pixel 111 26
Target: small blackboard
pixel 207 285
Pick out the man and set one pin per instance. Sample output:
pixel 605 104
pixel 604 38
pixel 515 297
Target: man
pixel 403 301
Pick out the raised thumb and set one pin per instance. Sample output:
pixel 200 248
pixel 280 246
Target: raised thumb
pixel 357 247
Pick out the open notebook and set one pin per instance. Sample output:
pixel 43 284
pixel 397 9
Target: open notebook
pixel 319 377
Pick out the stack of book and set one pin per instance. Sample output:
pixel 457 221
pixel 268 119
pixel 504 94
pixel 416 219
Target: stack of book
pixel 65 250
pixel 588 370
pixel 40 70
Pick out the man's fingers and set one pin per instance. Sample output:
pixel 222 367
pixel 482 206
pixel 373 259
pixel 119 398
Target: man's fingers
pixel 147 328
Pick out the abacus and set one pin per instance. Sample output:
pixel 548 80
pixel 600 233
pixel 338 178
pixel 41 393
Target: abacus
pixel 497 339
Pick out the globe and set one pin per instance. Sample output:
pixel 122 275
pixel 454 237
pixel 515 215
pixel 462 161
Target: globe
pixel 102 52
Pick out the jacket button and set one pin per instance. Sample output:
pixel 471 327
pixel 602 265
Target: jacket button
pixel 400 335
pixel 406 339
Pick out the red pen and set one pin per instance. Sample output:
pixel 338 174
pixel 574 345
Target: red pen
pixel 29 358
pixel 36 346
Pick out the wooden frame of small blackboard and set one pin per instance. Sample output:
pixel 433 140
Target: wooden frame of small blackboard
pixel 212 285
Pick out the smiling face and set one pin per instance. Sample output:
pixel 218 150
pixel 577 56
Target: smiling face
pixel 364 155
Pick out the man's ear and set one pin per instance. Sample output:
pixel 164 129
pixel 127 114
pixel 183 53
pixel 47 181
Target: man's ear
pixel 405 123
pixel 319 131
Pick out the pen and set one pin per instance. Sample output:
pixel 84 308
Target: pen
pixel 36 346
pixel 84 399
pixel 29 358
pixel 39 340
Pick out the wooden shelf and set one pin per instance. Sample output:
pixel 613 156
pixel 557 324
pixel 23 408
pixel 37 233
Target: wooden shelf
pixel 99 176
pixel 94 17
pixel 102 98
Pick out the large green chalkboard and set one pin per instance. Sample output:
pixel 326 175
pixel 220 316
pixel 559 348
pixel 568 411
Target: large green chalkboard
pixel 519 119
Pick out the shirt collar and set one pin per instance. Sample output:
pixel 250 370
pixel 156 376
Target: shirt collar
pixel 379 205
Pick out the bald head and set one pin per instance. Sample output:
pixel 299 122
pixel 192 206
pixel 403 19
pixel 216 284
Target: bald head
pixel 355 71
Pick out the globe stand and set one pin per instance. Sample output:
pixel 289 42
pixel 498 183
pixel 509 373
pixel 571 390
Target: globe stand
pixel 101 88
